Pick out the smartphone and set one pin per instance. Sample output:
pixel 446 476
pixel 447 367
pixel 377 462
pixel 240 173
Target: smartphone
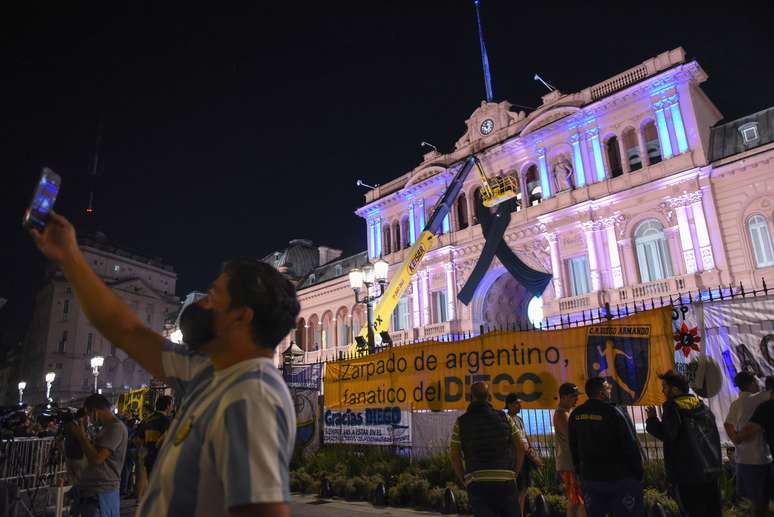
pixel 43 200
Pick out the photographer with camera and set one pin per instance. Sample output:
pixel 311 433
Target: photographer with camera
pixel 75 459
pixel 97 490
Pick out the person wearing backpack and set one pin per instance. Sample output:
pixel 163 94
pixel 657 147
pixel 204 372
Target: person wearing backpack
pixel 691 447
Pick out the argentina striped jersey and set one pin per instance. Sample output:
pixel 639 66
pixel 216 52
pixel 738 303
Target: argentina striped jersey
pixel 230 443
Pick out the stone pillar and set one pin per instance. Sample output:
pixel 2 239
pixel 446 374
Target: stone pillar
pixel 686 242
pixel 588 229
pixel 415 308
pixel 675 250
pixel 556 265
pixel 451 291
pixel 424 282
pixel 577 160
pixel 630 263
pixel 616 271
pixel 702 233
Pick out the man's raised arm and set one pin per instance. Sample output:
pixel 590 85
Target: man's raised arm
pixel 107 312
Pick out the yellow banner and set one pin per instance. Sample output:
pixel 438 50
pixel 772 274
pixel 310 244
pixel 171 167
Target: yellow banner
pixel 629 351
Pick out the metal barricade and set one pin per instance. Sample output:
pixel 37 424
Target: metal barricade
pixel 31 462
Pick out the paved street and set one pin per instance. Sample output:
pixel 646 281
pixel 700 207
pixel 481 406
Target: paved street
pixel 311 506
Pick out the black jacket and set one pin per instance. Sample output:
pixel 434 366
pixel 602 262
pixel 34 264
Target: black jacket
pixel 603 443
pixel 485 436
pixel 691 440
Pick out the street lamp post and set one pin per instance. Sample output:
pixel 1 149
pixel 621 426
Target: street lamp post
pixel 362 280
pixel 50 376
pixel 96 364
pixel 22 385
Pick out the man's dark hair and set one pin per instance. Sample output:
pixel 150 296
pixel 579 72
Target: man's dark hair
pixel 96 401
pixel 163 403
pixel 769 385
pixel 675 380
pixel 271 296
pixel 479 392
pixel 743 379
pixel 595 386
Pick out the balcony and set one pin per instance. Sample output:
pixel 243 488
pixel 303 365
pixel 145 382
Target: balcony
pixel 654 290
pixel 582 302
pixel 436 330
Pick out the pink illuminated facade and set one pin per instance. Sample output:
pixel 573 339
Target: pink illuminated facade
pixel 631 190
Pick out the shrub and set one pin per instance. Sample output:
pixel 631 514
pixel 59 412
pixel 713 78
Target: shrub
pixel 652 496
pixel 557 503
pixel 435 497
pixel 339 485
pixel 300 480
pixel 546 479
pixel 654 475
pixel 436 469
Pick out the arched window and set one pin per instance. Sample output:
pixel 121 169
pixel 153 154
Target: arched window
pixel 404 233
pixel 613 156
pixel 301 334
pixel 387 240
pixel 462 211
pixel 761 241
pixel 396 236
pixel 532 181
pixel 652 251
pixel 652 143
pixel 632 147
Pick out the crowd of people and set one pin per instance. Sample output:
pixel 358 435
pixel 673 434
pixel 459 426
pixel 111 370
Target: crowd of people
pixel 598 453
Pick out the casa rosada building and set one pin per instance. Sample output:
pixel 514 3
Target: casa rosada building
pixel 631 189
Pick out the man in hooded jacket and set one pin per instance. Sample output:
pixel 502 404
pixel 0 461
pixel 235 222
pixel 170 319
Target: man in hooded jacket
pixel 691 447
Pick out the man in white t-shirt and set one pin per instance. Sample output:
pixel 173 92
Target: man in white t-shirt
pixel 228 451
pixel 753 458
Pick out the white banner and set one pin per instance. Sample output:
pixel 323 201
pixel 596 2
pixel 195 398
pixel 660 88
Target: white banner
pixel 374 426
pixel 737 334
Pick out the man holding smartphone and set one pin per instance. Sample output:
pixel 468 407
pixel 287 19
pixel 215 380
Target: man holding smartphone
pixel 228 450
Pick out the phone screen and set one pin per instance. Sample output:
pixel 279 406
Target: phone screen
pixel 42 200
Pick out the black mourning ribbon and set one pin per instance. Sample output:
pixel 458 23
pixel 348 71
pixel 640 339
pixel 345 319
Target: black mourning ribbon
pixel 493 227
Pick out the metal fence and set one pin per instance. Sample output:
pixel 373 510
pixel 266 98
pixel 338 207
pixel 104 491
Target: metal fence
pixel 31 463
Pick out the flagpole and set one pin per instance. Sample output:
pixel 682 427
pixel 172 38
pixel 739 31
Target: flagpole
pixel 484 57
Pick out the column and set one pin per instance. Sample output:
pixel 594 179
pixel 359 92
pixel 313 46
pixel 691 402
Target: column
pixel 685 238
pixel 630 263
pixel 415 309
pixel 378 236
pixel 588 229
pixel 675 249
pixel 663 131
pixel 412 229
pixel 677 122
pixel 644 158
pixel 421 208
pixel 370 237
pixel 556 264
pixel 612 249
pixel 702 233
pixel 577 158
pixel 424 282
pixel 451 294
pixel 545 184
pixel 599 165
pixel 624 157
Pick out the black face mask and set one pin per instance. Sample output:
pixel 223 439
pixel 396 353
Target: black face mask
pixel 196 325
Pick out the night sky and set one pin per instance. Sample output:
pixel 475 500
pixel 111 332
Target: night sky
pixel 228 133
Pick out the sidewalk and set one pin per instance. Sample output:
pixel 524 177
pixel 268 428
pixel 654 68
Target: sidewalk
pixel 312 506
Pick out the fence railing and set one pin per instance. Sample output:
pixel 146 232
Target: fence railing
pixel 605 312
pixel 30 463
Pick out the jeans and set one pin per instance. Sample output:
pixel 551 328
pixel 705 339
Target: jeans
pixel 619 498
pixel 104 504
pixel 494 498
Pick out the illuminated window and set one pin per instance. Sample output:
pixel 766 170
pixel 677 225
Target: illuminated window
pixel 652 251
pixel 534 189
pixel 651 142
pixel 439 307
pixel 761 241
pixel 578 271
pixel 613 156
pixel 632 147
pixel 400 316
